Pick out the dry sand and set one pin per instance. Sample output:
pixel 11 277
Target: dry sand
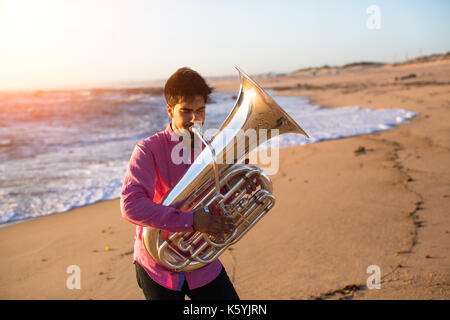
pixel 338 210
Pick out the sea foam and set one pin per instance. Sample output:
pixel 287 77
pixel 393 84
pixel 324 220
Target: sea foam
pixel 67 150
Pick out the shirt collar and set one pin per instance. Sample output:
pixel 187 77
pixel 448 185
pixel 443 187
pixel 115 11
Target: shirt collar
pixel 170 135
pixel 169 130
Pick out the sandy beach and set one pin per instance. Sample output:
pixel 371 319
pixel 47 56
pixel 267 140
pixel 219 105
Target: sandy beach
pixel 343 205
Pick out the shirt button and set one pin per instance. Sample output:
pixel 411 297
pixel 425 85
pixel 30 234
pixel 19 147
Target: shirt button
pixel 186 225
pixel 165 225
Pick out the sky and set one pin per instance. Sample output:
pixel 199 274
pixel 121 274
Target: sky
pixel 47 44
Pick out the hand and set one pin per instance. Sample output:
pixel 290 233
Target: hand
pixel 212 224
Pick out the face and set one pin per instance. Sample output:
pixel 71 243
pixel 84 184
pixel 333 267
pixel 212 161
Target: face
pixel 184 113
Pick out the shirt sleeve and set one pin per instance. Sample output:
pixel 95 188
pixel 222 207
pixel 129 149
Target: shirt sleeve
pixel 138 190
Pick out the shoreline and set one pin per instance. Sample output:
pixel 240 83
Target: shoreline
pixel 7 224
pixel 340 210
pixel 424 282
pixel 12 223
pixel 387 126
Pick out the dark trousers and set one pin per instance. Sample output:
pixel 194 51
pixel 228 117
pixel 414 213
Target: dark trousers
pixel 220 288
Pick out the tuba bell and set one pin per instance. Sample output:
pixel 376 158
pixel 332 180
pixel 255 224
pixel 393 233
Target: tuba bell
pixel 220 186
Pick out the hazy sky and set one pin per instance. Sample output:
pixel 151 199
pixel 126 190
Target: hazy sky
pixel 64 43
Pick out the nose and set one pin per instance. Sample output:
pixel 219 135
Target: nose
pixel 195 116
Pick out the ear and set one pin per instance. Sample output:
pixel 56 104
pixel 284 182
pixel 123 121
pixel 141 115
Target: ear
pixel 170 111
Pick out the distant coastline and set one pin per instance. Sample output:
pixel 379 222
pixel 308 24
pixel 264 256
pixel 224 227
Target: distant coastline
pixel 155 87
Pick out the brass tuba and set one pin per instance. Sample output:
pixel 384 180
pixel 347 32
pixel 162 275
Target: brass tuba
pixel 209 182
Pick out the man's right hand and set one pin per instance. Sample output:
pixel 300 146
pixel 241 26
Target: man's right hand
pixel 212 224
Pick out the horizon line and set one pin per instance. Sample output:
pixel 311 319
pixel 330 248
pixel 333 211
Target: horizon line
pixel 129 84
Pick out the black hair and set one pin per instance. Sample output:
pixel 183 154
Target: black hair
pixel 184 85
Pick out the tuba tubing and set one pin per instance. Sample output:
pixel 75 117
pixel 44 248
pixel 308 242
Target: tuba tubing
pixel 202 183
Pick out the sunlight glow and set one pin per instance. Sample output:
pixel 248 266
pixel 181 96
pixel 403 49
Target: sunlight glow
pixel 90 43
pixel 40 40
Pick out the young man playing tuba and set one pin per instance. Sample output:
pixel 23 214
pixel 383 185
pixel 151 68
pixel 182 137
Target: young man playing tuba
pixel 151 174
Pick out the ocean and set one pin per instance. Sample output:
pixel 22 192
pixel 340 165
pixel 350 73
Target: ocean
pixel 65 149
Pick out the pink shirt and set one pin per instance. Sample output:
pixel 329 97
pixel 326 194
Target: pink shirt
pixel 151 174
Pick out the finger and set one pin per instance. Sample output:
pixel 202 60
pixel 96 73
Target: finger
pixel 220 237
pixel 223 220
pixel 221 228
pixel 229 220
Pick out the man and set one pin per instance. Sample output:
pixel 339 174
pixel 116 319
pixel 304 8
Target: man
pixel 151 174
